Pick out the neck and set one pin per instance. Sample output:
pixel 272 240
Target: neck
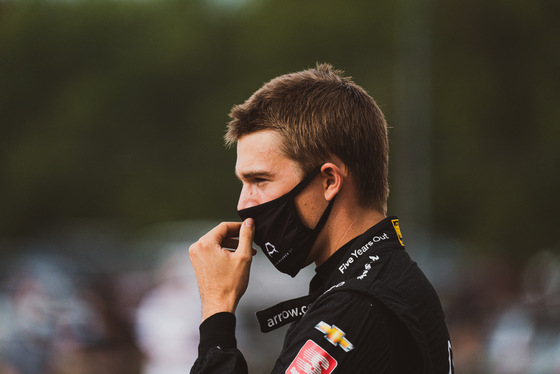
pixel 343 226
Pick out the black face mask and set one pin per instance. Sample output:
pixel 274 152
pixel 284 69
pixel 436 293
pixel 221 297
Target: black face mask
pixel 283 238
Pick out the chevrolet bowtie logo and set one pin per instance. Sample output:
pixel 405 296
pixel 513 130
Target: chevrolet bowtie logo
pixel 335 336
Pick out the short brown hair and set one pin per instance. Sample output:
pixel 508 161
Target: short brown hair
pixel 319 113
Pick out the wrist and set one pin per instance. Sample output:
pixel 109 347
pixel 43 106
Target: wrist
pixel 210 308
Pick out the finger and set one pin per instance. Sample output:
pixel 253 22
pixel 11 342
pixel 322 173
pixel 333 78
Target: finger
pixel 223 231
pixel 246 234
pixel 230 244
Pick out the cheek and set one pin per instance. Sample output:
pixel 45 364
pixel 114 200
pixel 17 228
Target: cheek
pixel 310 207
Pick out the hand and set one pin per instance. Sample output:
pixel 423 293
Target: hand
pixel 222 274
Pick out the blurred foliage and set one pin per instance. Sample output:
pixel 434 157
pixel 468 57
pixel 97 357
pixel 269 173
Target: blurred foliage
pixel 116 109
pixel 497 123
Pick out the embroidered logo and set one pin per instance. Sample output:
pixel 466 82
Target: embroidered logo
pixel 335 336
pixel 367 266
pixel 270 248
pixel 335 286
pixel 397 228
pixel 360 251
pixel 312 359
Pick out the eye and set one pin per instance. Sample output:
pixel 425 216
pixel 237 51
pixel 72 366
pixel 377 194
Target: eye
pixel 259 180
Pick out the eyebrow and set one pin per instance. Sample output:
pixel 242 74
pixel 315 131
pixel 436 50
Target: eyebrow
pixel 253 174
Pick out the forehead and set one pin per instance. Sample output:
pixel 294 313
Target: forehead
pixel 262 152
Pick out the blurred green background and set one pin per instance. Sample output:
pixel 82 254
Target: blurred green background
pixel 114 111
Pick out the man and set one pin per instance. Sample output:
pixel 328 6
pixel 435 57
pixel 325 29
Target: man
pixel 312 156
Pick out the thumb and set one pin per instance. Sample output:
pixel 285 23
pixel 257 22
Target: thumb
pixel 246 236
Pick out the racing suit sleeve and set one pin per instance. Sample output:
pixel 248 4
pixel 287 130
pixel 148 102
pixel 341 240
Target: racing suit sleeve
pixel 217 350
pixel 345 332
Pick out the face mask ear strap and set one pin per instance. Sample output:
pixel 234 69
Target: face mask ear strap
pixel 324 217
pixel 304 182
pixel 302 185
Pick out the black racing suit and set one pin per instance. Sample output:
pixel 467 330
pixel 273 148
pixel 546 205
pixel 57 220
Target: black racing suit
pixel 370 309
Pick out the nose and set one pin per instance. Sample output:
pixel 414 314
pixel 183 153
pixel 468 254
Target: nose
pixel 246 199
pixel 242 203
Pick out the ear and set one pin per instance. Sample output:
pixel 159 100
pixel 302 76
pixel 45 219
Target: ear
pixel 333 179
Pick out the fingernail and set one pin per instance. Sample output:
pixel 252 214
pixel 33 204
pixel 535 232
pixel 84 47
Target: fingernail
pixel 249 222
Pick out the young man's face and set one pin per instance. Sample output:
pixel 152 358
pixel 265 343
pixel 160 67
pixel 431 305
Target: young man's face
pixel 266 173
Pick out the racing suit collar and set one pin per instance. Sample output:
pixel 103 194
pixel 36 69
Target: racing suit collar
pixel 327 273
pixel 326 269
